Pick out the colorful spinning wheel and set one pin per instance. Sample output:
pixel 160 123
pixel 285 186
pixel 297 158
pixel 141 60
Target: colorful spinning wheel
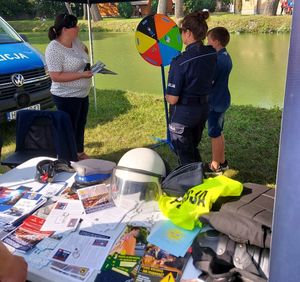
pixel 158 39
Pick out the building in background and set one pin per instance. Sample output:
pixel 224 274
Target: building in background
pixel 254 7
pixel 140 8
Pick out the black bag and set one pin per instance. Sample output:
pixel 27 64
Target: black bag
pixel 180 180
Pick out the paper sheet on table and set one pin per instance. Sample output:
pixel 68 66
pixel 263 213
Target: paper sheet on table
pixel 73 272
pixel 145 213
pixel 86 248
pixel 52 189
pixel 106 219
pixel 34 185
pixel 64 216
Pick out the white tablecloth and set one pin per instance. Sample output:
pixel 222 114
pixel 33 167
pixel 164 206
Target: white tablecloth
pixel 24 175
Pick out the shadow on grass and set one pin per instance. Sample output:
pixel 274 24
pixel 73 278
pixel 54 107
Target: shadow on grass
pixel 8 132
pixel 110 105
pixel 252 143
pixel 251 134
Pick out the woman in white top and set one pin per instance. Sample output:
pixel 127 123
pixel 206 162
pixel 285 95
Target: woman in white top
pixel 66 59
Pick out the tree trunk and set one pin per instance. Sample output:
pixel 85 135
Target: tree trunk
pixel 238 4
pixel 218 6
pixel 68 6
pixel 95 13
pixel 178 9
pixel 84 12
pixel 162 7
pixel 270 7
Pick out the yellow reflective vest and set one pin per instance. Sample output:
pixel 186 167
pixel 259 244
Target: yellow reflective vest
pixel 198 200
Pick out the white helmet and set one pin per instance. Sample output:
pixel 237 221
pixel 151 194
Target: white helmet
pixel 138 177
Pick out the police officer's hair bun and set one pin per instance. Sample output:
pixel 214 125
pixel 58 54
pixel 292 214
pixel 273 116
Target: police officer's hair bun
pixel 196 23
pixel 52 33
pixel 203 15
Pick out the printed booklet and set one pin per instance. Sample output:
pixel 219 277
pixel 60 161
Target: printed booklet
pixel 95 198
pixel 8 197
pixel 125 256
pixel 99 67
pixel 26 204
pixel 158 265
pixel 28 234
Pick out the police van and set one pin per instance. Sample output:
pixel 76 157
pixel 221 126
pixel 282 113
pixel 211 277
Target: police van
pixel 24 79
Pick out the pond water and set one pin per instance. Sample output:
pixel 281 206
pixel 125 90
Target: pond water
pixel 258 76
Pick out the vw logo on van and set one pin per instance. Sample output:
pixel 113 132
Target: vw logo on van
pixel 17 79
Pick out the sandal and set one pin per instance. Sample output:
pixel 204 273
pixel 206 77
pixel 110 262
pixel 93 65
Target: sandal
pixel 82 156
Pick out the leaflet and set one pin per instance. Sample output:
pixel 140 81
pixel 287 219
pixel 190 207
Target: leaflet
pixel 99 67
pixel 85 248
pixel 72 271
pixel 172 238
pixel 158 265
pixel 52 189
pixel 27 235
pixel 95 198
pixel 9 196
pixel 24 206
pixel 64 216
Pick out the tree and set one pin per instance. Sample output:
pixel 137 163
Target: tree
pixel 198 5
pixel 238 4
pixel 269 8
pixel 162 7
pixel 154 5
pixel 179 9
pixel 84 11
pixel 219 5
pixel 69 8
pixel 16 9
pixel 48 8
pixel 125 10
pixel 95 13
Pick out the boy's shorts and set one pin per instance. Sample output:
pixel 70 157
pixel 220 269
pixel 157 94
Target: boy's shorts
pixel 215 124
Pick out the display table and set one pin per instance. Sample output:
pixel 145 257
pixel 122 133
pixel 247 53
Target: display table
pixel 24 175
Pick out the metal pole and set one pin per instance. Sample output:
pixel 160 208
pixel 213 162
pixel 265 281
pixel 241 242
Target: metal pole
pixel 285 249
pixel 165 103
pixel 91 51
pixel 168 140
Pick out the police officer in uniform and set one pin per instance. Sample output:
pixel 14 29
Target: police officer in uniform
pixel 189 85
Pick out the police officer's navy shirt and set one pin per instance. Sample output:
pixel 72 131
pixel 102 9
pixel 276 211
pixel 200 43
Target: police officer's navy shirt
pixel 220 97
pixel 191 72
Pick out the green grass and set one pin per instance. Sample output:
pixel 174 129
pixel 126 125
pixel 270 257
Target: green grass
pixel 126 120
pixel 234 23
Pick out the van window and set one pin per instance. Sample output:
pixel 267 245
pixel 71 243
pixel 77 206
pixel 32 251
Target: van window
pixel 8 35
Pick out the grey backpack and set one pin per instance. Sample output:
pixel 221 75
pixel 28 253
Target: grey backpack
pixel 247 219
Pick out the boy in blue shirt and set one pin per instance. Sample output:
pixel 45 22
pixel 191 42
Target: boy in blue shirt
pixel 219 100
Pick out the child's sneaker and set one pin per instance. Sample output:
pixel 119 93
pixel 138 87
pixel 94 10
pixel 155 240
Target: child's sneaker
pixel 224 166
pixel 209 170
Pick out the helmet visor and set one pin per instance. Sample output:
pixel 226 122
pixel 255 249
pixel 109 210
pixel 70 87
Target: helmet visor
pixel 132 186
